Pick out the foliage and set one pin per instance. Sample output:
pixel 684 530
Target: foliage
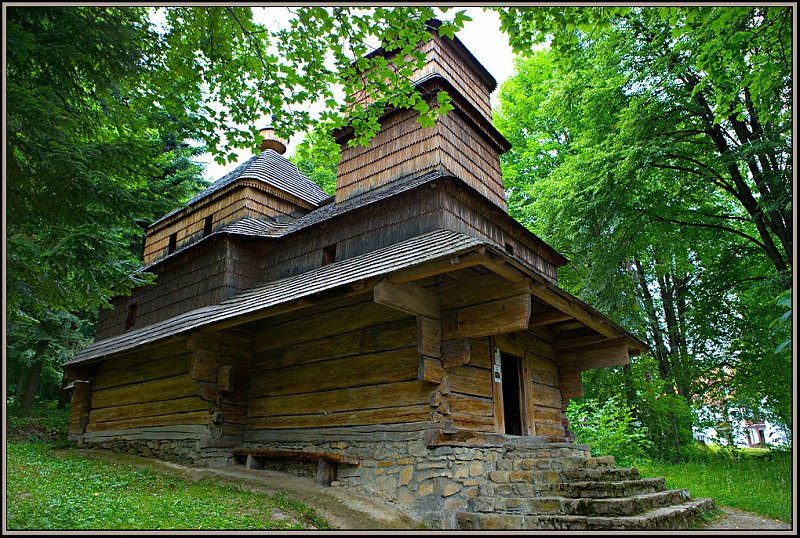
pixel 652 146
pixel 610 428
pixel 45 423
pixel 317 156
pixel 52 489
pixel 753 480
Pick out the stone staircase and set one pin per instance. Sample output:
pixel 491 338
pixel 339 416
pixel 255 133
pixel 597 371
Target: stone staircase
pixel 560 486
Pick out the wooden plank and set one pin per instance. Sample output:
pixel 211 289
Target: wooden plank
pixel 148 371
pixel 568 343
pixel 196 417
pixel 392 415
pixel 430 370
pixel 526 395
pixel 570 383
pixel 429 336
pixel 480 352
pixel 549 296
pixel 439 437
pixel 473 422
pixel 408 298
pixel 455 352
pixel 543 371
pixel 470 405
pixel 497 391
pixel 501 267
pixel 437 267
pixel 172 348
pixel 150 391
pixel 548 429
pixel 496 317
pixel 325 324
pixel 549 317
pixel 469 380
pixel 385 337
pixel 610 353
pixel 381 367
pixel 297 455
pixel 162 407
pixel 546 396
pixel 478 289
pixel 547 414
pixel 376 396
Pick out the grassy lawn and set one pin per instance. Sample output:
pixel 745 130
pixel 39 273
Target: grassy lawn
pixel 753 480
pixel 54 488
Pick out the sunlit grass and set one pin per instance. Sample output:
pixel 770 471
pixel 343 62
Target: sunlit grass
pixel 749 480
pixel 58 489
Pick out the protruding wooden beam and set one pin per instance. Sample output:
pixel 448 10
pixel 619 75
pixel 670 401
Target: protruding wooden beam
pixel 430 370
pixel 610 353
pixel 409 298
pixel 429 336
pixel 455 352
pixel 549 317
pixel 495 317
pixel 437 267
pixel 501 267
pixel 579 341
pixel 551 297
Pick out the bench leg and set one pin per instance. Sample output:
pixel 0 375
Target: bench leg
pixel 326 472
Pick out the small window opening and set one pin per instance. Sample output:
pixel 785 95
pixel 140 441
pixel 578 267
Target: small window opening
pixel 131 320
pixel 509 248
pixel 207 225
pixel 173 242
pixel 329 254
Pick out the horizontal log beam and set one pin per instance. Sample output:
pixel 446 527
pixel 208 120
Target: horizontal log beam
pixel 409 298
pixel 602 355
pixel 579 341
pixel 570 384
pixel 437 267
pixel 455 352
pixel 554 299
pixel 495 317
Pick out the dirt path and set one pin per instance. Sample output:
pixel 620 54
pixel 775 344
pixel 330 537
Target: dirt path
pixel 732 519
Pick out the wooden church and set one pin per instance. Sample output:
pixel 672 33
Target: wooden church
pixel 405 336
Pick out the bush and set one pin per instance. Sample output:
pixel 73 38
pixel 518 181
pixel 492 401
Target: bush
pixel 610 429
pixel 46 423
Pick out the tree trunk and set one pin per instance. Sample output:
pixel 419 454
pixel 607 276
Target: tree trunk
pixel 33 385
pixel 62 394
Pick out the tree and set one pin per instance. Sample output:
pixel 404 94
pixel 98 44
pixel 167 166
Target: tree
pixel 616 162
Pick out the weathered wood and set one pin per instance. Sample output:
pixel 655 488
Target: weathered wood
pixel 161 407
pixel 496 317
pixel 573 308
pixel 497 389
pixel 569 343
pixel 429 336
pixel 439 437
pixel 437 267
pixel 480 352
pixel 408 413
pixel 175 387
pixel 81 406
pixel 550 430
pixel 385 337
pixel 543 371
pixel 474 422
pixel 549 317
pixel 374 396
pixel 526 397
pixel 296 455
pixel 408 298
pixel 430 370
pixel 139 373
pixel 359 370
pixel 570 383
pixel 503 268
pixel 610 353
pixel 455 352
pixel 325 324
pixel 196 417
pixel 546 396
pixel 471 405
pixel 478 289
pixel 225 378
pixel 469 380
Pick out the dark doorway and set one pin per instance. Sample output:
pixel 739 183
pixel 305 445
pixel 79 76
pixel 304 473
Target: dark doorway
pixel 511 399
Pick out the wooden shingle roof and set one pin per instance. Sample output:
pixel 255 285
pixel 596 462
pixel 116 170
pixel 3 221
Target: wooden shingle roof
pixel 415 251
pixel 271 168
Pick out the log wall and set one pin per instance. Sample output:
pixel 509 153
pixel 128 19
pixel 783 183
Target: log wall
pixel 149 388
pixel 349 363
pixel 245 198
pixel 201 277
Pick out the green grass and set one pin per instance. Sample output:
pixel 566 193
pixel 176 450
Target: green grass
pixel 754 480
pixel 50 487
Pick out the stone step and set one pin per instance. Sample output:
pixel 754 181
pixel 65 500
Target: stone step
pixel 605 489
pixel 675 517
pixel 582 506
pixel 539 484
pixel 551 450
pixel 603 474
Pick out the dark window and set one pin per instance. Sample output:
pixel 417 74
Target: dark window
pixel 329 254
pixel 207 225
pixel 509 248
pixel 173 242
pixel 131 320
pixel 761 438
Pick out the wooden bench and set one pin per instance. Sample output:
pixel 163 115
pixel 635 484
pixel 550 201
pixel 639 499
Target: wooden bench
pixel 327 462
